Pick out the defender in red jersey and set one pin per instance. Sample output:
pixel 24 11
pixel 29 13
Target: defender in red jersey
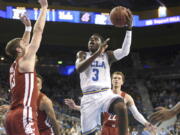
pixel 47 123
pixel 22 116
pixel 111 122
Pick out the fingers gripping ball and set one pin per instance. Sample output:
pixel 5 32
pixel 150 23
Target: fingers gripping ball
pixel 119 16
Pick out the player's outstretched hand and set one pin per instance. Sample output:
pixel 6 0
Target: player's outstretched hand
pixel 70 103
pixel 43 3
pixel 103 46
pixel 162 114
pixel 24 19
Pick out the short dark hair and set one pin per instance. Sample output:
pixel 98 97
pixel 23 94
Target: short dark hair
pixel 11 47
pixel 119 73
pixel 98 35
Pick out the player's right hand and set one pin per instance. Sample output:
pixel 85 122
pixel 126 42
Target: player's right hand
pixel 24 19
pixel 43 3
pixel 103 46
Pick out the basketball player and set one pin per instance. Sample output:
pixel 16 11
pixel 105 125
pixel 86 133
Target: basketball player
pixel 22 116
pixel 110 122
pixel 47 123
pixel 163 113
pixel 94 69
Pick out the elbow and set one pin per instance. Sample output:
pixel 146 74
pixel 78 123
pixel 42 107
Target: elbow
pixel 79 70
pixel 126 53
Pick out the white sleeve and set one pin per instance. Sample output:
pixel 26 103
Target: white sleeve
pixel 124 51
pixel 137 115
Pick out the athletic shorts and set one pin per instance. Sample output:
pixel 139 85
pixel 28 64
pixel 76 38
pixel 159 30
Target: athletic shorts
pixel 21 121
pixel 92 105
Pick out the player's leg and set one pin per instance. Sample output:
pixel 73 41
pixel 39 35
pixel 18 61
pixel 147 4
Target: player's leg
pixel 118 107
pixel 90 114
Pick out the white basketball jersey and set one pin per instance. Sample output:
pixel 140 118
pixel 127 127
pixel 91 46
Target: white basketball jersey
pixel 97 75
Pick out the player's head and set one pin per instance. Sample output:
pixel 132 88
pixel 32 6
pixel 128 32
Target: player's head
pixel 94 42
pixel 118 79
pixel 15 47
pixel 39 81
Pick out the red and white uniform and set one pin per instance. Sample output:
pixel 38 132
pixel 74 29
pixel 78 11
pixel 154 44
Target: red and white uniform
pixel 44 126
pixel 22 117
pixel 111 122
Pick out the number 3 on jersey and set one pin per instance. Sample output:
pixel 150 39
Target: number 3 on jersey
pixel 96 74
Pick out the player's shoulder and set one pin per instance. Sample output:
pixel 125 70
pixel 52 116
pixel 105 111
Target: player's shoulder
pixel 46 100
pixel 125 94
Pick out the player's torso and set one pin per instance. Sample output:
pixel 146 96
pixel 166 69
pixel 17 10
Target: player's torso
pixel 97 75
pixel 23 88
pixel 43 120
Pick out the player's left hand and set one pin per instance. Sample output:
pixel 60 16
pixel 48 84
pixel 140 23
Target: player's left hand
pixel 25 20
pixel 162 114
pixel 103 46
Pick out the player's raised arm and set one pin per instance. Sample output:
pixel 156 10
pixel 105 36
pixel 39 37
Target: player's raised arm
pixel 124 51
pixel 37 31
pixel 47 106
pixel 82 63
pixel 27 33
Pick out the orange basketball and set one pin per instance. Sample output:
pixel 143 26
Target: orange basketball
pixel 118 16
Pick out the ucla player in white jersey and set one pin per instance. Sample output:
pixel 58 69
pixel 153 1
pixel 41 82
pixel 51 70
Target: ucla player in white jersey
pixel 94 69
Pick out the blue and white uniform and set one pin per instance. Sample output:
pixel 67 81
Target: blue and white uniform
pixel 96 87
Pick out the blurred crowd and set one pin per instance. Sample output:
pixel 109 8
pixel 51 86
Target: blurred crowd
pixel 58 87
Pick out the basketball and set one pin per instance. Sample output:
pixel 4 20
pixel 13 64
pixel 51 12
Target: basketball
pixel 118 16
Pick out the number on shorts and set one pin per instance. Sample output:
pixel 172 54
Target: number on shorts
pixel 96 75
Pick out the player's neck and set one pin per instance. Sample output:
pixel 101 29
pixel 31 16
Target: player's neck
pixel 117 90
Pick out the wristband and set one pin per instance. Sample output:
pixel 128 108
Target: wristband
pixel 28 28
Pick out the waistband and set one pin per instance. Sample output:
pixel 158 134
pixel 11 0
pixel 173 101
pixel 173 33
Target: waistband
pixel 95 91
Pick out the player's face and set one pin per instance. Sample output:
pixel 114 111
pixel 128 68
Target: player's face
pixel 39 83
pixel 94 43
pixel 117 80
pixel 21 49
